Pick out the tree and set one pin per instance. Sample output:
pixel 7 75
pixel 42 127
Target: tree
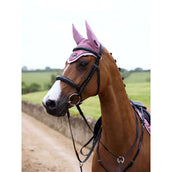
pixel 138 69
pixel 48 85
pixel 30 88
pixel 34 87
pixel 24 87
pixel 124 72
pixel 47 68
pixel 24 68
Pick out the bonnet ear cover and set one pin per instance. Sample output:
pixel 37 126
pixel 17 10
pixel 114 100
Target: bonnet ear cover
pixel 76 35
pixel 92 37
pixel 92 43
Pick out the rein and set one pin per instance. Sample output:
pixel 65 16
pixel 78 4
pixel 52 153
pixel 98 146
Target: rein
pixel 97 134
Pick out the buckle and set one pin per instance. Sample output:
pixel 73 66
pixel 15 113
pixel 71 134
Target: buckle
pixel 74 99
pixel 120 159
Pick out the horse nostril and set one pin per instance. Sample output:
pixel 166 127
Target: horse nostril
pixel 51 104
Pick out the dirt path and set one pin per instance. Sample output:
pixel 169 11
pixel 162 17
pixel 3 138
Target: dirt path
pixel 46 150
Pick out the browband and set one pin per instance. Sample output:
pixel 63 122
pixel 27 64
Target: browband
pixel 91 51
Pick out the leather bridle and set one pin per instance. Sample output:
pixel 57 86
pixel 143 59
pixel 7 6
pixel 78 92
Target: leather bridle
pixel 80 88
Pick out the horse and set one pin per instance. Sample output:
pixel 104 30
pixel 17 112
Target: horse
pixel 124 144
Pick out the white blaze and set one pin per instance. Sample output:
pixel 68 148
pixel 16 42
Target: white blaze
pixel 65 69
pixel 54 92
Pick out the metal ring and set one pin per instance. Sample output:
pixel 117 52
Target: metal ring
pixel 80 164
pixel 120 159
pixel 72 96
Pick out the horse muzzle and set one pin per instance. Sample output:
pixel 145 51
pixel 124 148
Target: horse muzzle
pixel 56 107
pixel 59 107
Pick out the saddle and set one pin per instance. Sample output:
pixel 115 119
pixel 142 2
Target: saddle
pixel 139 108
pixel 142 109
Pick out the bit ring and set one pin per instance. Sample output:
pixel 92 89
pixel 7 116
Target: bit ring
pixel 72 100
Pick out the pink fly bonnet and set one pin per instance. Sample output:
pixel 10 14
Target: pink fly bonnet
pixel 91 42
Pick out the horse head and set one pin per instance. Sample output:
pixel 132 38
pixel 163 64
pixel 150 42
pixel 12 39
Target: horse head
pixel 76 83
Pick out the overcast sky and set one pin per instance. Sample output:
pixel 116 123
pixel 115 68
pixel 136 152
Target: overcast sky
pixel 122 26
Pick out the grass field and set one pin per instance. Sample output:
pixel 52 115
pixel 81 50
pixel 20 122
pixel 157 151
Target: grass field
pixel 137 87
pixel 138 77
pixel 140 92
pixel 41 78
pixel 45 77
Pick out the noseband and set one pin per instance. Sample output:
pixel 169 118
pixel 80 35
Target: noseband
pixel 81 87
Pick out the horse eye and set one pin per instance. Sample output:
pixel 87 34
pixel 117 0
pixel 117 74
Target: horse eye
pixel 82 64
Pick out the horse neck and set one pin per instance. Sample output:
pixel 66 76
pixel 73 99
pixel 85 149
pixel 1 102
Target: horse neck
pixel 118 118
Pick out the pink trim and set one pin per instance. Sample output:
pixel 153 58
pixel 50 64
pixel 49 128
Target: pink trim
pixel 148 127
pixel 77 54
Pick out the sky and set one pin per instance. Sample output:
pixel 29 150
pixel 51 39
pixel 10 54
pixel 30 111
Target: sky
pixel 122 26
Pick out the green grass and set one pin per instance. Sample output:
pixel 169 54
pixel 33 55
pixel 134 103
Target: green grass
pixel 35 97
pixel 41 78
pixel 139 92
pixel 91 106
pixel 138 77
pixel 137 87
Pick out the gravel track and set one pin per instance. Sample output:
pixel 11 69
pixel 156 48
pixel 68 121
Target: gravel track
pixel 46 150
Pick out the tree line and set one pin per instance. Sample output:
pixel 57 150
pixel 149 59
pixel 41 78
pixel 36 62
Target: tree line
pixel 47 69
pixel 34 87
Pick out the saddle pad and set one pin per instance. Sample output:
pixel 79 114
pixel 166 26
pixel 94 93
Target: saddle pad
pixel 143 114
pixel 141 111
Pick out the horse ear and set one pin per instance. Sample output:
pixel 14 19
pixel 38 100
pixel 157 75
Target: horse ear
pixel 76 35
pixel 91 36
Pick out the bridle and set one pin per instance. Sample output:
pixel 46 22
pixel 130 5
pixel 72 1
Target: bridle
pixel 80 88
pixel 96 137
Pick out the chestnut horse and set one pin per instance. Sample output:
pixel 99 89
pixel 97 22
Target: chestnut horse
pixel 123 145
